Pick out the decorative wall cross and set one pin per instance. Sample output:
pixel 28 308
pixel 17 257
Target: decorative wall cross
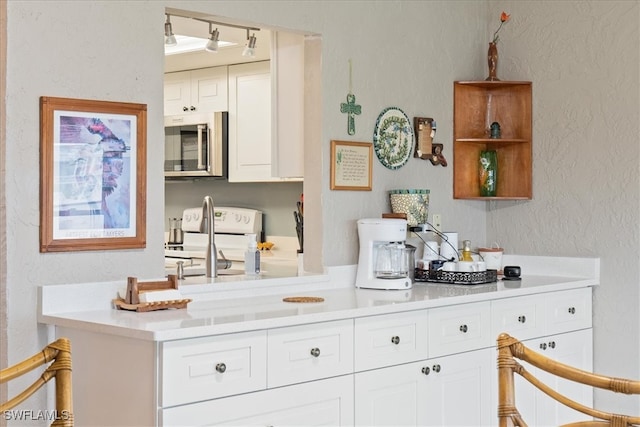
pixel 350 107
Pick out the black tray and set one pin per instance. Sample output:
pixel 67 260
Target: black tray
pixel 456 277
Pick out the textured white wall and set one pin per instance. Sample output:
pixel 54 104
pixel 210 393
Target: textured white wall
pixel 583 58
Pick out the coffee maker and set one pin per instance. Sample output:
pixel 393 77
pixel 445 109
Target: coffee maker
pixel 384 261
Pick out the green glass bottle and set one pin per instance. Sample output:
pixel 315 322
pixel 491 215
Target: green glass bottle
pixel 488 173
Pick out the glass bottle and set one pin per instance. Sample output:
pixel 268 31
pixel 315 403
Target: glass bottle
pixel 488 173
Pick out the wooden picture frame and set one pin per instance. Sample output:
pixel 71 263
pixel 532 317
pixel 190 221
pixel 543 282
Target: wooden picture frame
pixel 93 171
pixel 351 165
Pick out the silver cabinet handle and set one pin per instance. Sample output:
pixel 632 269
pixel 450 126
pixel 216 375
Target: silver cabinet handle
pixel 315 352
pixel 543 346
pixel 522 319
pixel 552 344
pixel 464 329
pixel 395 340
pixel 221 367
pixel 436 368
pixel 572 310
pixel 426 370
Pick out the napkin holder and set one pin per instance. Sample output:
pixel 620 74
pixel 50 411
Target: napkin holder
pixel 132 300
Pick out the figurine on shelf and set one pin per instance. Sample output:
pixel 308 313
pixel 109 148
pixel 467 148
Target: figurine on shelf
pixel 495 130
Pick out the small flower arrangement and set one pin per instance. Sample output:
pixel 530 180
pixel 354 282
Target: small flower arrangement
pixel 504 17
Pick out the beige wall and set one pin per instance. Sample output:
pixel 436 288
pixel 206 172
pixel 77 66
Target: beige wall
pixel 581 56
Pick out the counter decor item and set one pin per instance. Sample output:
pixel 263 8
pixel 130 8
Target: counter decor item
pixel 492 54
pixel 488 173
pixel 351 165
pixel 93 172
pixel 151 296
pixel 393 138
pixel 492 61
pixel 412 202
pixel 456 277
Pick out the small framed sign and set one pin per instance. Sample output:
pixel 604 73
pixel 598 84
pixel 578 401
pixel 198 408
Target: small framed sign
pixel 351 165
pixel 92 175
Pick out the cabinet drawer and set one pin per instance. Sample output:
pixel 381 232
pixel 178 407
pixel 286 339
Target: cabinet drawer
pixel 309 352
pixel 327 402
pixel 523 317
pixel 210 367
pixel 568 310
pixel 390 339
pixel 459 328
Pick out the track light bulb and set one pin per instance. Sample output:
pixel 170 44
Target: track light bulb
pixel 169 38
pixel 212 44
pixel 250 48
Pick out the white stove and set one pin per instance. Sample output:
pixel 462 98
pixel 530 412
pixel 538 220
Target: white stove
pixel 232 227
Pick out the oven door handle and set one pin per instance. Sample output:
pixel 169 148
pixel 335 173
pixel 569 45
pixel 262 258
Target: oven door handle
pixel 201 128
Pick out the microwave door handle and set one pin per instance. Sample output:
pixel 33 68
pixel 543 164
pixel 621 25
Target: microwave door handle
pixel 201 166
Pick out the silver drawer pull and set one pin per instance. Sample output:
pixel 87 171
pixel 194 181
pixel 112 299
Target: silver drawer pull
pixel 543 346
pixel 522 319
pixel 426 370
pixel 436 368
pixel 572 310
pixel 395 340
pixel 221 367
pixel 315 352
pixel 464 329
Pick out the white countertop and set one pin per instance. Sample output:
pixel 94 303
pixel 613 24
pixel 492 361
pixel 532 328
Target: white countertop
pixel 244 305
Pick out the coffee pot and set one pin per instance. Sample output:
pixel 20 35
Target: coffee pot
pixel 176 235
pixel 384 262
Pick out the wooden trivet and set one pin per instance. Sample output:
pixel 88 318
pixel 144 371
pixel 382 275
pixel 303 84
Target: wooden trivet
pixel 303 299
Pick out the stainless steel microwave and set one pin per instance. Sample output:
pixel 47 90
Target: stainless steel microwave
pixel 196 145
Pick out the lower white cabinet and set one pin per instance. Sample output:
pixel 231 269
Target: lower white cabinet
pixel 443 391
pixel 326 402
pixel 433 366
pixel 537 409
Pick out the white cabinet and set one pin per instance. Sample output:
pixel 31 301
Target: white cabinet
pixel 428 366
pixel 196 91
pixel 250 122
pixel 557 325
pixel 445 391
pixel 309 352
pixel 459 328
pixel 211 367
pixel 326 402
pixel 251 142
pixel 390 339
pixel 538 409
pixel 458 392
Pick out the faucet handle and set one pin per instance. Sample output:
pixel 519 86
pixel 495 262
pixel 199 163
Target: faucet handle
pixel 222 255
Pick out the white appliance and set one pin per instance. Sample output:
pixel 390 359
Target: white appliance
pixel 383 262
pixel 232 226
pixel 195 145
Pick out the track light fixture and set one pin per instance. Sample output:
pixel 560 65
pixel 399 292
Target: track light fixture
pixel 169 38
pixel 212 44
pixel 250 48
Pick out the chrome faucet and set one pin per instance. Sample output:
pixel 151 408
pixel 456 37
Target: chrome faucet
pixel 207 225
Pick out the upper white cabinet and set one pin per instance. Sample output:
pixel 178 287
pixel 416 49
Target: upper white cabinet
pixel 196 91
pixel 266 115
pixel 250 122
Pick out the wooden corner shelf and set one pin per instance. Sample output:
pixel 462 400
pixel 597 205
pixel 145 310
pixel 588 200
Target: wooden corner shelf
pixel 477 104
